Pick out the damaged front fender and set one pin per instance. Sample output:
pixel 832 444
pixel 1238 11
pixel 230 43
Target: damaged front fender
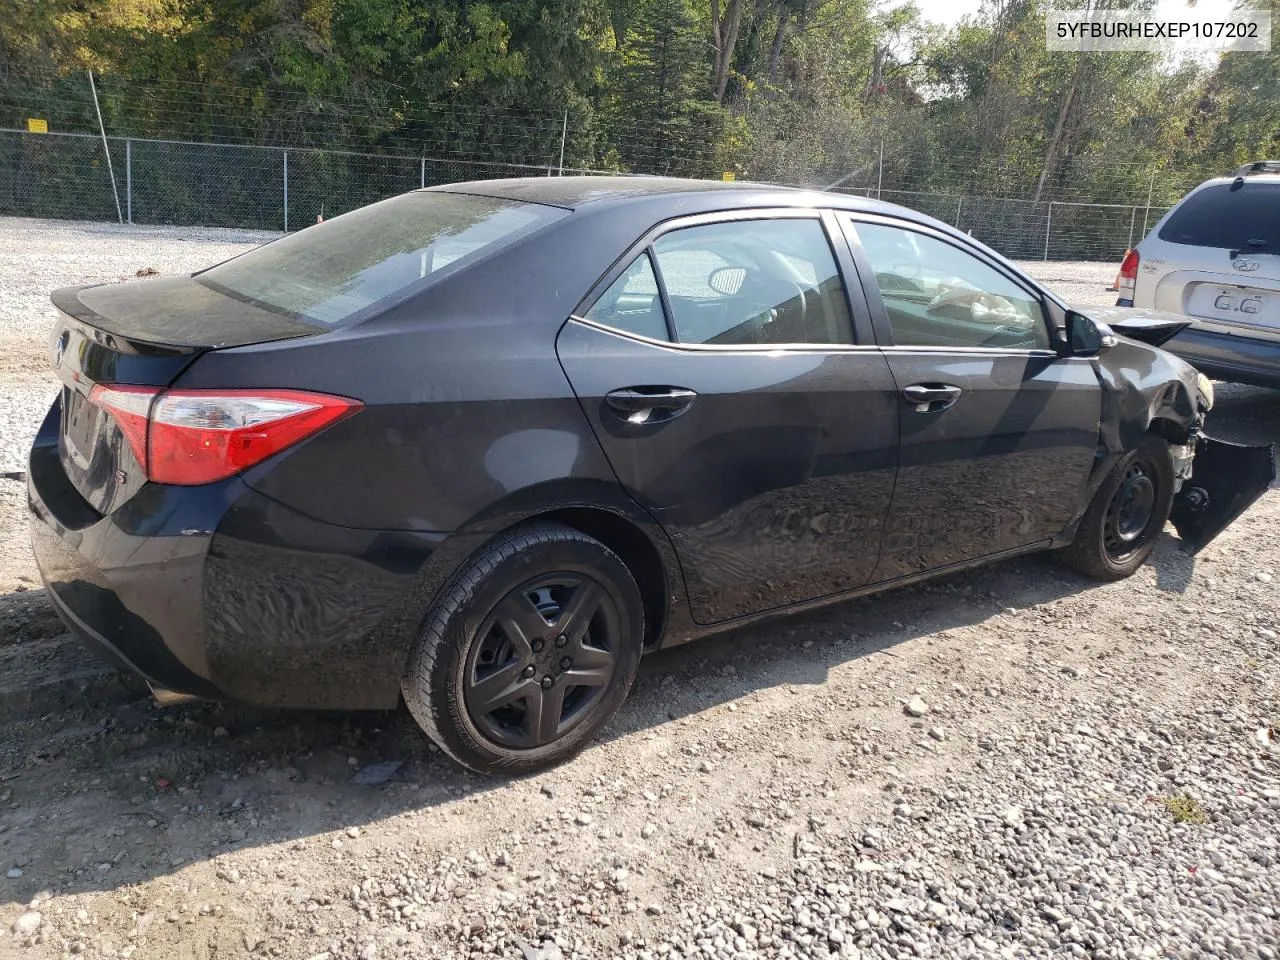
pixel 1226 479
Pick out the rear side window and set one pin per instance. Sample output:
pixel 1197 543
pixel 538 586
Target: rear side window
pixel 329 272
pixel 1244 217
pixel 632 302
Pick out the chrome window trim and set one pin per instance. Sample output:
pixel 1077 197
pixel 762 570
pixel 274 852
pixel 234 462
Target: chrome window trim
pixel 806 347
pixel 644 246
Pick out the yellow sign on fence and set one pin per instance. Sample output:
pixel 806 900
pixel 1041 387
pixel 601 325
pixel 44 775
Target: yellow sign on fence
pixel 729 176
pixel 37 125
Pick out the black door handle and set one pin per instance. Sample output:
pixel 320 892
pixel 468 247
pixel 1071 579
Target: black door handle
pixel 931 397
pixel 650 404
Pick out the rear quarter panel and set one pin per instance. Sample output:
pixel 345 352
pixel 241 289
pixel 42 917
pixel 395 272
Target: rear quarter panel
pixel 465 401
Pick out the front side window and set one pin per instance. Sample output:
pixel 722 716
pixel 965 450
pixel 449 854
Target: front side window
pixel 937 295
pixel 327 273
pixel 754 282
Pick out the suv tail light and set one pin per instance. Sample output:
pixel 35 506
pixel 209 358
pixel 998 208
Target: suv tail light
pixel 1128 275
pixel 190 437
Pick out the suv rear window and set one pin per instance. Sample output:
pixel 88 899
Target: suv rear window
pixel 1244 217
pixel 328 272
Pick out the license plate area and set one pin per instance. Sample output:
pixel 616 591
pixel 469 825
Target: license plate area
pixel 81 426
pixel 1232 304
pixel 95 455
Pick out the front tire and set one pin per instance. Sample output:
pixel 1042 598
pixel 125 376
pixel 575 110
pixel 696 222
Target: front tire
pixel 529 651
pixel 1126 516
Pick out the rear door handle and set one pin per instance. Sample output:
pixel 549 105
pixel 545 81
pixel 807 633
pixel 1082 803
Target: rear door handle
pixel 931 397
pixel 650 404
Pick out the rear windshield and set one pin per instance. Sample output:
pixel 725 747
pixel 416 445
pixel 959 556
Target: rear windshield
pixel 1244 217
pixel 328 272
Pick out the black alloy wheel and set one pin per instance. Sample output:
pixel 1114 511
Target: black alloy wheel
pixel 528 651
pixel 542 660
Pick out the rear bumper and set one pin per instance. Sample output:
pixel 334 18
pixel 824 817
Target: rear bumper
pixel 128 585
pixel 1229 357
pixel 218 591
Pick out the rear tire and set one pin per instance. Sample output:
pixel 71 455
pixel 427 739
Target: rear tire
pixel 1126 516
pixel 529 651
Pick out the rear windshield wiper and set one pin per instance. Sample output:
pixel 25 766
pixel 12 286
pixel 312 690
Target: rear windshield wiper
pixel 1253 245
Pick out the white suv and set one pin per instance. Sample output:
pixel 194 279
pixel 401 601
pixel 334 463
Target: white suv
pixel 1216 258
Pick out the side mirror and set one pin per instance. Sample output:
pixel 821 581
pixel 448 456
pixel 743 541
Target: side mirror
pixel 1087 337
pixel 727 281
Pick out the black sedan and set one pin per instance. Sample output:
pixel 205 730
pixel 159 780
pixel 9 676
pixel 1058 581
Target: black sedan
pixel 484 445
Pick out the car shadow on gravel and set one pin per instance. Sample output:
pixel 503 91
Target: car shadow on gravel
pixel 99 788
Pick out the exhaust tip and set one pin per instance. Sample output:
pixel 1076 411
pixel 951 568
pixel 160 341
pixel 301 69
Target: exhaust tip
pixel 171 698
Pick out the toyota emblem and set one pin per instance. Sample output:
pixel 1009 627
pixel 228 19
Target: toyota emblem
pixel 1245 265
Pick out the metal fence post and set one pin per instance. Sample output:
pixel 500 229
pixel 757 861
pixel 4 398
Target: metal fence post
pixel 128 180
pixel 1048 223
pixel 564 134
pixel 880 170
pixel 959 202
pixel 286 191
pixel 422 176
pixel 106 147
pixel 1151 188
pixel 1133 216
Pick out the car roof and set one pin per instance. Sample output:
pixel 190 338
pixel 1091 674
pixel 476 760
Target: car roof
pixel 620 200
pixel 604 191
pixel 1268 178
pixel 575 191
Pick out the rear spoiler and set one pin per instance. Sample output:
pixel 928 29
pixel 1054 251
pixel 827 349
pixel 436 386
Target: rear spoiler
pixel 176 315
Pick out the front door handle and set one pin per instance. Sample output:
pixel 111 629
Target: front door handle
pixel 931 397
pixel 650 404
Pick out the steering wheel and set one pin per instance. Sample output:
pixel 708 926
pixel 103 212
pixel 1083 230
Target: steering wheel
pixel 801 298
pixel 765 298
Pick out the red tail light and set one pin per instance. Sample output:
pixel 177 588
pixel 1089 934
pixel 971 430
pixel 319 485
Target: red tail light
pixel 190 437
pixel 1128 274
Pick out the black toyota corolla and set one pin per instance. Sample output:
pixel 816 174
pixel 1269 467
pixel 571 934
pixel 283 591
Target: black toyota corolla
pixel 484 445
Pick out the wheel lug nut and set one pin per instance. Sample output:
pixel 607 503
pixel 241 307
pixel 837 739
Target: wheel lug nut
pixel 566 663
pixel 547 682
pixel 538 645
pixel 561 640
pixel 528 671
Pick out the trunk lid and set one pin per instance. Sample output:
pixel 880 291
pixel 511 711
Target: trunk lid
pixel 142 334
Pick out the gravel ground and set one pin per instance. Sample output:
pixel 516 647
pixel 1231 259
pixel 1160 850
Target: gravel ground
pixel 1008 763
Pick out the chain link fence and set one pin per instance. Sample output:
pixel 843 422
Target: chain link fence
pixel 66 175
pixel 1030 230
